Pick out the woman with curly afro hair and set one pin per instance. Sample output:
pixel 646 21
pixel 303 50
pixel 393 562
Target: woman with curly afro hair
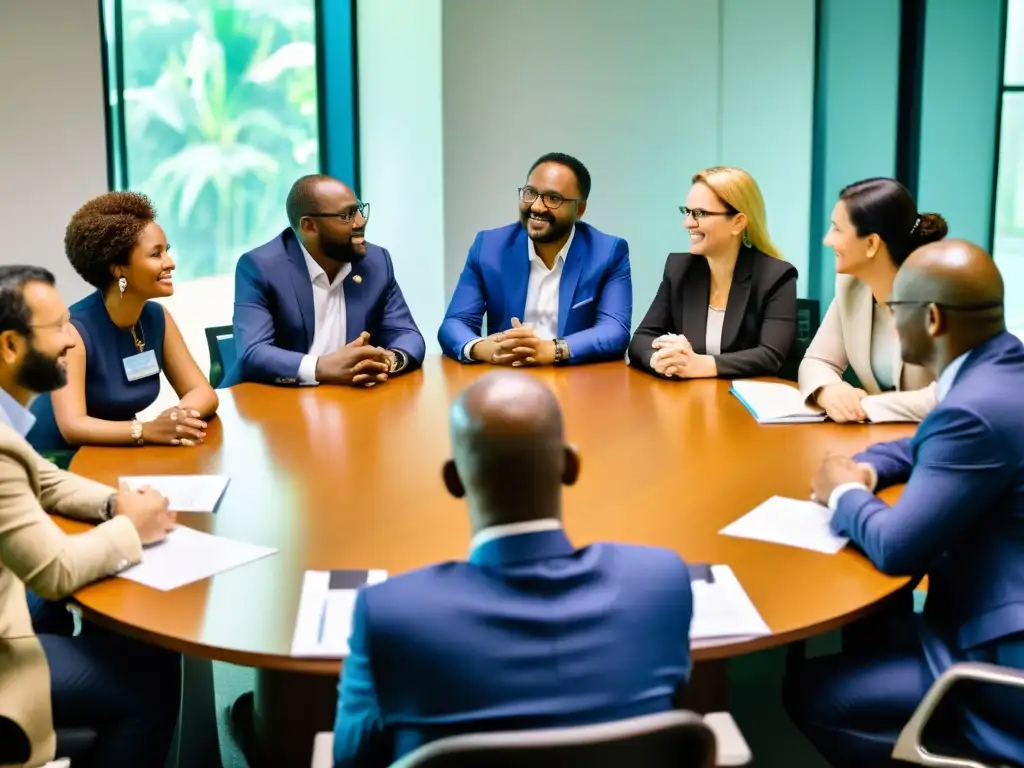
pixel 123 339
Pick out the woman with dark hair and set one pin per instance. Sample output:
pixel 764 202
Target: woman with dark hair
pixel 123 340
pixel 875 227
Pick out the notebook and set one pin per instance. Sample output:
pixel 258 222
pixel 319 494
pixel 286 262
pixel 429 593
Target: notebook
pixel 773 403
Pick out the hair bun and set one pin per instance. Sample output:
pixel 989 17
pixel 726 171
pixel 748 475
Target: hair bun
pixel 930 227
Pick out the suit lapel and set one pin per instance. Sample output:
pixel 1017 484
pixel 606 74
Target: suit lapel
pixel 515 275
pixel 355 303
pixel 739 295
pixel 570 278
pixel 695 289
pixel 302 284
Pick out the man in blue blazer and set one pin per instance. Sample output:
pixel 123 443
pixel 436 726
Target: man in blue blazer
pixel 530 632
pixel 554 289
pixel 960 519
pixel 318 304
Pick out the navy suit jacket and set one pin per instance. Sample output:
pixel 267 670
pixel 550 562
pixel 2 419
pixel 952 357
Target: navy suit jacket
pixel 529 633
pixel 274 322
pixel 595 295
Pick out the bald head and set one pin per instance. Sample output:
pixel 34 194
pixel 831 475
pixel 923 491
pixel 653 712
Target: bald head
pixel 309 194
pixel 953 272
pixel 509 453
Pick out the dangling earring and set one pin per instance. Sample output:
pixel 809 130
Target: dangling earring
pixel 746 240
pixel 122 283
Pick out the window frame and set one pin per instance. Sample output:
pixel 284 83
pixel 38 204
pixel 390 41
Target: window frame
pixel 1004 88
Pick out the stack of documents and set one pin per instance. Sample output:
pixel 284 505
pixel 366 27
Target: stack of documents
pixel 721 608
pixel 188 555
pixel 186 493
pixel 772 403
pixel 794 523
pixel 324 622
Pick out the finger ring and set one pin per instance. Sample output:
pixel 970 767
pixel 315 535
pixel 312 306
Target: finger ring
pixel 174 415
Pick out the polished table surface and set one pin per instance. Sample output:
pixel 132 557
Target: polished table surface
pixel 350 478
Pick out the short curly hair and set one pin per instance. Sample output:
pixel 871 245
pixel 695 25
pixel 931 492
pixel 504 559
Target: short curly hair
pixel 102 234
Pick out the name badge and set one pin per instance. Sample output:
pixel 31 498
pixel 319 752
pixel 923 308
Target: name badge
pixel 141 366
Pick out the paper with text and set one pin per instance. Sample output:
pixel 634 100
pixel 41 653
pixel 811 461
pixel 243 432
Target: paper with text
pixel 722 609
pixel 324 621
pixel 186 493
pixel 188 555
pixel 803 524
pixel 773 403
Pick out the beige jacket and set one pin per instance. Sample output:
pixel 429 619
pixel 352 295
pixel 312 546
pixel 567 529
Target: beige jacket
pixel 34 552
pixel 844 339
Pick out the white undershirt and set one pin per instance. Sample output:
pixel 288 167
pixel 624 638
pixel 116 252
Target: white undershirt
pixel 541 311
pixel 329 330
pixel 713 333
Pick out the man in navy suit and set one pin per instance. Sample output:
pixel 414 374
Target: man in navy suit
pixel 318 304
pixel 554 289
pixel 530 632
pixel 960 519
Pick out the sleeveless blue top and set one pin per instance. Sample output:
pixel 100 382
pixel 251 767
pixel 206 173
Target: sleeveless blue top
pixel 108 393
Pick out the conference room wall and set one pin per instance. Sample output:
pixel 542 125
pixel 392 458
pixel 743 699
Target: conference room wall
pixel 53 133
pixel 643 98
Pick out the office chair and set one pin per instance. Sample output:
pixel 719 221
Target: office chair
pixel 909 747
pixel 221 342
pixel 808 318
pixel 677 739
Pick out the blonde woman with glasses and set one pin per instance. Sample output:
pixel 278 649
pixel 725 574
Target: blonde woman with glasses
pixel 727 307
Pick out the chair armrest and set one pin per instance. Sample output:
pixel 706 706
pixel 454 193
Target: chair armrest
pixel 908 745
pixel 323 750
pixel 730 746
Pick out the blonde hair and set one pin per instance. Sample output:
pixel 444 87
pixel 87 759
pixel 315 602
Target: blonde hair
pixel 737 189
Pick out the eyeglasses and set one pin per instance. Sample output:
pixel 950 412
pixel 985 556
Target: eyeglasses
pixel 362 208
pixel 551 200
pixel 954 307
pixel 700 213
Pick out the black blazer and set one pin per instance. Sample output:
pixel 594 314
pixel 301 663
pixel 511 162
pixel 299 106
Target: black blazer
pixel 760 317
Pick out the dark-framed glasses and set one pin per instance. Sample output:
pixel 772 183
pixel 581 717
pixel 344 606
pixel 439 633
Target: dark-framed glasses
pixel 346 215
pixel 551 200
pixel 942 305
pixel 700 213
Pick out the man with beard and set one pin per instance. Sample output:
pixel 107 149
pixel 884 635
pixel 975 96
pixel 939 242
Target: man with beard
pixel 554 289
pixel 318 304
pixel 127 692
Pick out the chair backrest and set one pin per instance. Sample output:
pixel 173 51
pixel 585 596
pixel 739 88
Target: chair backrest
pixel 221 342
pixel 676 739
pixel 14 744
pixel 808 318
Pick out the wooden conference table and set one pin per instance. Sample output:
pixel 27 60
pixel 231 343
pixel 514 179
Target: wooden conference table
pixel 346 478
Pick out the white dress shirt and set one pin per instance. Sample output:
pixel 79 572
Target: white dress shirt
pixel 541 311
pixel 713 333
pixel 944 384
pixel 493 532
pixel 330 327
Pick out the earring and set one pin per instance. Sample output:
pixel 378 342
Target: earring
pixel 746 240
pixel 122 283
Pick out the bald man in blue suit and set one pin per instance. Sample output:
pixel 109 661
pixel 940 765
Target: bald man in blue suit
pixel 529 632
pixel 960 519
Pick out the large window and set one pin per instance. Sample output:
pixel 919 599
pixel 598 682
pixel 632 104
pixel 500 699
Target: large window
pixel 1008 247
pixel 214 113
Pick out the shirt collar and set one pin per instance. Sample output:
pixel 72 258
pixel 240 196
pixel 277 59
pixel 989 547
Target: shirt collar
pixel 315 270
pixel 948 376
pixel 15 415
pixel 485 535
pixel 559 257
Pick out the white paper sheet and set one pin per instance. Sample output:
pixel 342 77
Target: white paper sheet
pixel 803 524
pixel 723 610
pixel 188 555
pixel 186 493
pixel 324 621
pixel 773 403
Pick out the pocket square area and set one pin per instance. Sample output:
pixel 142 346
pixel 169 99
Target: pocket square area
pixel 581 303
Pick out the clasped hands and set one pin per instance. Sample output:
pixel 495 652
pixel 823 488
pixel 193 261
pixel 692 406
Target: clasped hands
pixel 517 346
pixel 835 470
pixel 357 364
pixel 175 426
pixel 674 357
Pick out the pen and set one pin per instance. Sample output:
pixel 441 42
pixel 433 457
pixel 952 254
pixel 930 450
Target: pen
pixel 323 620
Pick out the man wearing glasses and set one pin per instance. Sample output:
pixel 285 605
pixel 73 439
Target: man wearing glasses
pixel 554 289
pixel 318 304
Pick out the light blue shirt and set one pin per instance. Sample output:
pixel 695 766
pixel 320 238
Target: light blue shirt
pixel 15 415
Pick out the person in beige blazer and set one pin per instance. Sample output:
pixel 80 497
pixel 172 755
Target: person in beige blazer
pixel 875 227
pixel 99 680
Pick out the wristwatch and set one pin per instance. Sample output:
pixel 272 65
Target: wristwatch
pixel 561 350
pixel 398 361
pixel 109 506
pixel 137 431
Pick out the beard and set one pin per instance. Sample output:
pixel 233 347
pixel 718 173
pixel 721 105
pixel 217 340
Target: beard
pixel 39 373
pixel 555 231
pixel 340 251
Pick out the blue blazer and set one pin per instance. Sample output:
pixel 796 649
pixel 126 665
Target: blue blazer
pixel 960 518
pixel 595 295
pixel 529 633
pixel 274 323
